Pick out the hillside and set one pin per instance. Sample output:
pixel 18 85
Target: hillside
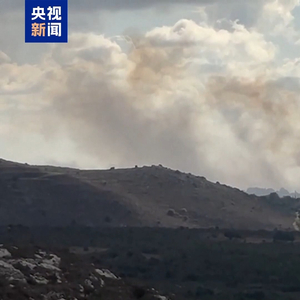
pixel 31 273
pixel 147 263
pixel 141 196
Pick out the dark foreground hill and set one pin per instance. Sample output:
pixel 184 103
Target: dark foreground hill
pixel 135 263
pixel 28 272
pixel 141 196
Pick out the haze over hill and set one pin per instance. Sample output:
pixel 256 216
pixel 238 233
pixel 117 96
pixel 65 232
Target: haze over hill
pixel 207 86
pixel 267 191
pixel 141 196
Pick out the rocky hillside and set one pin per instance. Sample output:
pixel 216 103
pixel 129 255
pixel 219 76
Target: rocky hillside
pixel 29 273
pixel 141 196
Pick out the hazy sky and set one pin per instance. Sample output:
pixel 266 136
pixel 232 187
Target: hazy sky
pixel 208 87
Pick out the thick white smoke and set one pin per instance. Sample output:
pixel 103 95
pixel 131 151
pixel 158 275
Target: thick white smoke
pixel 210 99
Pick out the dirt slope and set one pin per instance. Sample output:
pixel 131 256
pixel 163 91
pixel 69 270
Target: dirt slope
pixel 146 196
pixel 31 196
pixel 171 198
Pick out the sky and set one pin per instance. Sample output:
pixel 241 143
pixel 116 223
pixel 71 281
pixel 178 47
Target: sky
pixel 207 87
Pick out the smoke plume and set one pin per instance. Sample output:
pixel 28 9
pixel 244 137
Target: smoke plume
pixel 189 96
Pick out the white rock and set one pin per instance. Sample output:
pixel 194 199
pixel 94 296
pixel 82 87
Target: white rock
pixel 39 279
pixel 49 266
pixel 42 253
pixel 106 273
pixel 5 265
pixel 30 263
pixel 161 297
pixel 4 253
pixel 58 278
pixel 93 277
pixel 102 282
pixel 52 263
pixel 89 283
pixel 9 271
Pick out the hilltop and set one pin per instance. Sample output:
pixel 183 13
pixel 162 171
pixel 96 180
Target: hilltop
pixel 140 196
